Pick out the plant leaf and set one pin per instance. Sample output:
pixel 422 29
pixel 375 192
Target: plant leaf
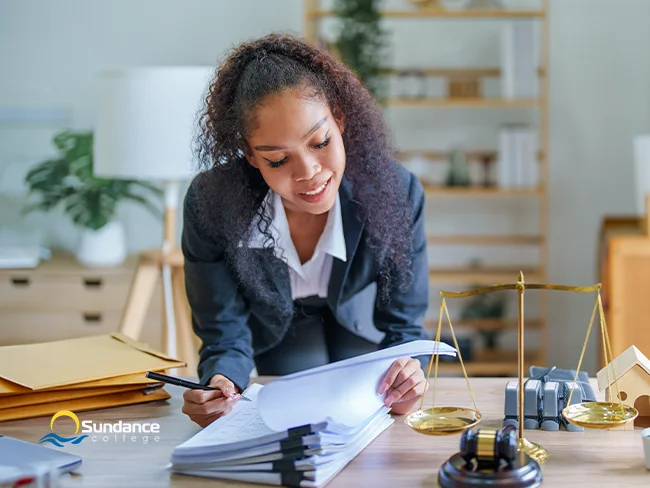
pixel 91 209
pixel 157 212
pixel 149 186
pixel 88 200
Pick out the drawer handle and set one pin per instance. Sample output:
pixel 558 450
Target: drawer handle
pixel 92 317
pixel 92 282
pixel 20 281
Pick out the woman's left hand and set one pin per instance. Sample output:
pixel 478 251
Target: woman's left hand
pixel 404 385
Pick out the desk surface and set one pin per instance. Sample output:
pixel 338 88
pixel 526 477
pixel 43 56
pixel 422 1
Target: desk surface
pixel 398 457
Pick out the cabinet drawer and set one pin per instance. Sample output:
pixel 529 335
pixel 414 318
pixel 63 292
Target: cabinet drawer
pixel 64 294
pixel 32 327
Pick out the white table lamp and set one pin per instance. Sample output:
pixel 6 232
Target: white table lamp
pixel 147 119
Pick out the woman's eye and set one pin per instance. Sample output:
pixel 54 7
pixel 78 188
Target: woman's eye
pixel 323 144
pixel 277 164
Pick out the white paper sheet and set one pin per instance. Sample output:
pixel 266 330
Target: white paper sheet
pixel 344 392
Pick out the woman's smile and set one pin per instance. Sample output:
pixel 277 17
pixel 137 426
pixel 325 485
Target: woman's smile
pixel 317 195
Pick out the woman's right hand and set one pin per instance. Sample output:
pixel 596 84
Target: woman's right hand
pixel 206 406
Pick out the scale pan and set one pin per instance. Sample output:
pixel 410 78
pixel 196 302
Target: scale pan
pixel 599 415
pixel 443 420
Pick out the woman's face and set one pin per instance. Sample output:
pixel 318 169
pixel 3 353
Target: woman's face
pixel 296 144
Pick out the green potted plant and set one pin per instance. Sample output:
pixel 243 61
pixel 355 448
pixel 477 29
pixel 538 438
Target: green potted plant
pixel 361 40
pixel 90 202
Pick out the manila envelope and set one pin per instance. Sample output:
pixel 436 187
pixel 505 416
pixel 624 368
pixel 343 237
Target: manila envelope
pixel 49 396
pixel 53 364
pixel 83 404
pixel 7 388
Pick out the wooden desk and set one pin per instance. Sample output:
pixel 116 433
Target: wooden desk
pixel 399 457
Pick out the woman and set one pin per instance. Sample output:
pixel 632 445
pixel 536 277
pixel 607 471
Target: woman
pixel 303 239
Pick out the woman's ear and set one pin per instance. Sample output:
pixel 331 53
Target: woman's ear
pixel 248 153
pixel 340 119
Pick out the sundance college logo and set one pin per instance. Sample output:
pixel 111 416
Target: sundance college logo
pixel 141 432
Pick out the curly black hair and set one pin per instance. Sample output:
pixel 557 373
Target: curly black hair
pixel 230 193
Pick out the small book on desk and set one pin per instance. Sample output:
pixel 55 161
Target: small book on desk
pixel 300 429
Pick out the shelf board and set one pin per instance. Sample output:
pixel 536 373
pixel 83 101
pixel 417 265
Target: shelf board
pixel 450 72
pixel 484 240
pixel 471 154
pixel 483 276
pixel 482 324
pixel 445 14
pixel 397 102
pixel 498 362
pixel 480 191
pixel 487 72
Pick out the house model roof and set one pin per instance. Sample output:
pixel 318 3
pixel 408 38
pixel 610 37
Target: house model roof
pixel 622 364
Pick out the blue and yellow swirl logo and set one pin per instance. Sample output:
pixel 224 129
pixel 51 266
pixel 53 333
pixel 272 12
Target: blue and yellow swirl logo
pixel 57 440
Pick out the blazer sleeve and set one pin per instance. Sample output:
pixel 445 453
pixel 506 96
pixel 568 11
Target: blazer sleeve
pixel 219 312
pixel 402 319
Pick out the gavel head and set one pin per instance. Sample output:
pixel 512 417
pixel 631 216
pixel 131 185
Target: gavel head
pixel 489 448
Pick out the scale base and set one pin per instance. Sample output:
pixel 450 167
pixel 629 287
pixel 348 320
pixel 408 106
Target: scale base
pixel 535 451
pixel 456 473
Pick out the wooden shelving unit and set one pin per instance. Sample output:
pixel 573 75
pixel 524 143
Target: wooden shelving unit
pixel 485 324
pixel 485 240
pixel 486 362
pixel 482 276
pixel 423 13
pixel 462 102
pixel 462 191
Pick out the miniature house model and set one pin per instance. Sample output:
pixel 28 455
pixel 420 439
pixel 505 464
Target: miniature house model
pixel 633 375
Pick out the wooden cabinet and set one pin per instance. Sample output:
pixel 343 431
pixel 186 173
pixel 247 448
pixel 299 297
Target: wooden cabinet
pixel 624 268
pixel 62 299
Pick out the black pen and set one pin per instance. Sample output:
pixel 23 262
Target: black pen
pixel 184 383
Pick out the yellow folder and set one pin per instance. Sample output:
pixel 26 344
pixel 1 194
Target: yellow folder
pixel 78 374
pixel 49 396
pixel 83 404
pixel 7 388
pixel 55 364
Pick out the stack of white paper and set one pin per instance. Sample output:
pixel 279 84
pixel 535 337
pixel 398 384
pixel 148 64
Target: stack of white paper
pixel 301 429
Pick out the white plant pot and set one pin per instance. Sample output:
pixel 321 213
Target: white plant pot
pixel 105 247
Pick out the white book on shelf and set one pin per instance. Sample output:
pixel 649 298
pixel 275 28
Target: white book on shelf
pixel 520 57
pixel 507 158
pixel 528 144
pixel 519 165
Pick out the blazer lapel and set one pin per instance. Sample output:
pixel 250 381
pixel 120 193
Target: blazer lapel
pixel 352 230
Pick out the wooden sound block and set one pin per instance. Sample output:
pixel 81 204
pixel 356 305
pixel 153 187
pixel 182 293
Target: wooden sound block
pixel 456 473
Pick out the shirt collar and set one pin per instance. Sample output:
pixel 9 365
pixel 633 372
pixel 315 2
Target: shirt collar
pixel 332 241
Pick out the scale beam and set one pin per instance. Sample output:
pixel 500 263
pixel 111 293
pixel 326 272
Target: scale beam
pixel 449 420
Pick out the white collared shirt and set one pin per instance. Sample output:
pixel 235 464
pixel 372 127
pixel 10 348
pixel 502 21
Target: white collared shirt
pixel 311 278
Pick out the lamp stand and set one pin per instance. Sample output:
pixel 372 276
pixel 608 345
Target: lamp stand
pixel 646 220
pixel 166 263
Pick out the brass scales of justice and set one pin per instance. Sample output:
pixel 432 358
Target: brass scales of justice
pixel 449 420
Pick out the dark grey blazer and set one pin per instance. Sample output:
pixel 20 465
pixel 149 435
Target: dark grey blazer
pixel 234 328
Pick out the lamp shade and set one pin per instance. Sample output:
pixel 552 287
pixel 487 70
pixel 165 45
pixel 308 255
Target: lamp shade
pixel 147 118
